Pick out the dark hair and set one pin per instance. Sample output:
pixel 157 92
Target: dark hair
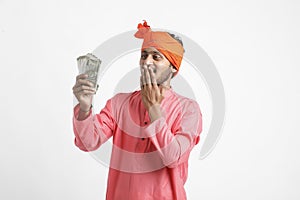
pixel 177 38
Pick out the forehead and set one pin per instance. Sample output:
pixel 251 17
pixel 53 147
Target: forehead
pixel 151 50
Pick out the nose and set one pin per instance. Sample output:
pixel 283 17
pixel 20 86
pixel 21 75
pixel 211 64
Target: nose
pixel 148 61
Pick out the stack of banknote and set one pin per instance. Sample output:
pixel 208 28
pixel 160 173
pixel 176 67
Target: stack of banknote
pixel 89 64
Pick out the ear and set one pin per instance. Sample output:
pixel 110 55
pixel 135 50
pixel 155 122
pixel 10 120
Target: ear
pixel 173 69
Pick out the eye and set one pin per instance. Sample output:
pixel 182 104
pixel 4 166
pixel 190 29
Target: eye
pixel 157 57
pixel 144 56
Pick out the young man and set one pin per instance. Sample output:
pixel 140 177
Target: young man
pixel 153 129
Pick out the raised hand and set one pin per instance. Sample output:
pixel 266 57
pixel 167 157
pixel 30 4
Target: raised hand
pixel 84 91
pixel 152 94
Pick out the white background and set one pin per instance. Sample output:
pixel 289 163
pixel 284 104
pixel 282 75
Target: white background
pixel 252 43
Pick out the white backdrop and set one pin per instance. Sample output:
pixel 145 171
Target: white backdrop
pixel 252 43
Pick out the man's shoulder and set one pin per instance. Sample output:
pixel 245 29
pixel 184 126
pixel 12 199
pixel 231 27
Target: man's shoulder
pixel 187 103
pixel 184 99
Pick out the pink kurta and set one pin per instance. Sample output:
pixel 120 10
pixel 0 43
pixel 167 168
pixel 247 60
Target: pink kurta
pixel 149 161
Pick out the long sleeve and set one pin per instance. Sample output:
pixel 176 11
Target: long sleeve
pixel 174 147
pixel 95 129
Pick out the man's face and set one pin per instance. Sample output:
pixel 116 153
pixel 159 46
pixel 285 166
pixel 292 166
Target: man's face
pixel 162 68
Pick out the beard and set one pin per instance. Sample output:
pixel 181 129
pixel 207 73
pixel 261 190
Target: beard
pixel 165 75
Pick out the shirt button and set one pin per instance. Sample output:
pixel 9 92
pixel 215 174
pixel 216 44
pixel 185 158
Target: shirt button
pixel 145 122
pixel 143 138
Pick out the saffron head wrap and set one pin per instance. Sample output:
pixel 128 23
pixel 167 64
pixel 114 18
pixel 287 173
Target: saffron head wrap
pixel 163 42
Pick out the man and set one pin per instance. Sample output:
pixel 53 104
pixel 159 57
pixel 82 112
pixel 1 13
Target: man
pixel 153 129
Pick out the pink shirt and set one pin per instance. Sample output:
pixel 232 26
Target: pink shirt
pixel 149 161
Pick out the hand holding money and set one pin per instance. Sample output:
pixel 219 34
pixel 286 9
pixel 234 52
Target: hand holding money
pixel 89 64
pixel 86 82
pixel 84 91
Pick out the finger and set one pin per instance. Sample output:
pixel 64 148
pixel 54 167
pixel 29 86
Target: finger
pixel 147 77
pixel 143 76
pixel 84 87
pixel 141 82
pixel 154 82
pixel 162 91
pixel 85 93
pixel 84 82
pixel 152 77
pixel 81 76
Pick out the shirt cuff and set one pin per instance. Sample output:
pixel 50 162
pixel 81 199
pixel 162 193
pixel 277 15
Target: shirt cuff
pixel 76 113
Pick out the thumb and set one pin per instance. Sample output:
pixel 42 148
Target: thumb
pixel 162 91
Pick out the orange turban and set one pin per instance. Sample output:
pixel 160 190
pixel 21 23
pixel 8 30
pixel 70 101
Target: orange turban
pixel 163 42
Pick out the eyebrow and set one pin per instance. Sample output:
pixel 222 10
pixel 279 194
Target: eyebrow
pixel 151 52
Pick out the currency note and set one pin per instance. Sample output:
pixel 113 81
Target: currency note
pixel 89 64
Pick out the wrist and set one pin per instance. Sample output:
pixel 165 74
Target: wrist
pixel 155 112
pixel 83 114
pixel 85 110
